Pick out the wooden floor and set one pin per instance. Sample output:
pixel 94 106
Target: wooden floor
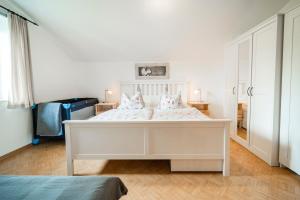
pixel 250 178
pixel 241 132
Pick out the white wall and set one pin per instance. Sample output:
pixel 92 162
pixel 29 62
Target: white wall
pixel 15 128
pixel 55 75
pixel 205 76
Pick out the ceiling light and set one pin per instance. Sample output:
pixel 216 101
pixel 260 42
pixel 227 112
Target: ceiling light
pixel 158 6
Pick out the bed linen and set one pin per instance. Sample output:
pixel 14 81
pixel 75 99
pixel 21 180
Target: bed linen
pixel 186 113
pixel 64 188
pixel 124 114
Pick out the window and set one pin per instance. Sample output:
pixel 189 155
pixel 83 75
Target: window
pixel 4 58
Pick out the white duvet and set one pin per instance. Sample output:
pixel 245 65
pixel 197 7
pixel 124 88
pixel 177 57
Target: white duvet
pixel 186 113
pixel 124 114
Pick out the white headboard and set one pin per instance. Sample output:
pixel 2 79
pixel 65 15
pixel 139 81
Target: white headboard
pixel 152 90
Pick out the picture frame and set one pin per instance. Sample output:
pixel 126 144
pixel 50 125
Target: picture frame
pixel 151 71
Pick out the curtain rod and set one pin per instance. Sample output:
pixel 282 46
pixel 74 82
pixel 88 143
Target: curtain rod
pixel 18 15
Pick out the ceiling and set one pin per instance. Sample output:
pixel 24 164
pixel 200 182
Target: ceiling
pixel 147 30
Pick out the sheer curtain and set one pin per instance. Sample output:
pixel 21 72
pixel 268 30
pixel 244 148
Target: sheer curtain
pixel 20 92
pixel 4 58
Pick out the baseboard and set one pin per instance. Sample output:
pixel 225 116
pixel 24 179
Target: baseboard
pixel 10 154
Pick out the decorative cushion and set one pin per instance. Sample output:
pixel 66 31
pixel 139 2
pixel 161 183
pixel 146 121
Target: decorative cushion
pixel 170 102
pixel 135 102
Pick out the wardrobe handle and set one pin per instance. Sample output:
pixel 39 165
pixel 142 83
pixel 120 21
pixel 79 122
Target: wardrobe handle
pixel 233 90
pixel 251 91
pixel 248 91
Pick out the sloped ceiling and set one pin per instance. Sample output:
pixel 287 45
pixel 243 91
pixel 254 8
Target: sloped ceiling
pixel 148 30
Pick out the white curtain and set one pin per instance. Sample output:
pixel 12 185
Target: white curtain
pixel 20 91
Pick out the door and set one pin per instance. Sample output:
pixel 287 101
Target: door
pixel 243 92
pixel 290 105
pixel 262 91
pixel 231 86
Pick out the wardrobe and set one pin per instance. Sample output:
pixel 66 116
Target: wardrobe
pixel 253 85
pixel 290 105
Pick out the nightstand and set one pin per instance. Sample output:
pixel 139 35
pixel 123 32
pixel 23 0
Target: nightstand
pixel 201 106
pixel 102 107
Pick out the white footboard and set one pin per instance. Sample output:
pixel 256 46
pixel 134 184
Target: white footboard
pixel 190 145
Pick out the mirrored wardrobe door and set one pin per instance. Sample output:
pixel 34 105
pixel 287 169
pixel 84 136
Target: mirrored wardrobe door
pixel 244 85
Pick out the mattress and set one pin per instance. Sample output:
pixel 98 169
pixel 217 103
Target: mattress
pixel 185 114
pixel 124 114
pixel 64 188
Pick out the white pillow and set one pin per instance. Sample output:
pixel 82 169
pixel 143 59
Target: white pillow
pixel 170 102
pixel 135 102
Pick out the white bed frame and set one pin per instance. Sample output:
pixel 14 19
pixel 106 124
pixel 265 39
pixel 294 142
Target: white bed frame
pixel 190 145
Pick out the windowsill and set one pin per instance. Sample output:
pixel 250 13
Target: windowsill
pixel 3 104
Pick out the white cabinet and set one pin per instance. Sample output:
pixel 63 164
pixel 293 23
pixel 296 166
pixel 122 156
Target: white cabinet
pixel 230 86
pixel 257 75
pixel 265 95
pixel 290 106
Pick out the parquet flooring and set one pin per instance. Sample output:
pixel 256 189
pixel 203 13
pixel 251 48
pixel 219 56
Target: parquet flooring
pixel 250 178
pixel 241 132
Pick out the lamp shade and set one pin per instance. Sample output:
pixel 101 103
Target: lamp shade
pixel 198 93
pixel 108 93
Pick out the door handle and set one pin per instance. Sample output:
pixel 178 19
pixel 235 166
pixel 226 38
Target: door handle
pixel 251 91
pixel 233 90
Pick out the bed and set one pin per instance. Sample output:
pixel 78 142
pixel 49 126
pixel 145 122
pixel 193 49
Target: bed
pixel 60 187
pixel 196 143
